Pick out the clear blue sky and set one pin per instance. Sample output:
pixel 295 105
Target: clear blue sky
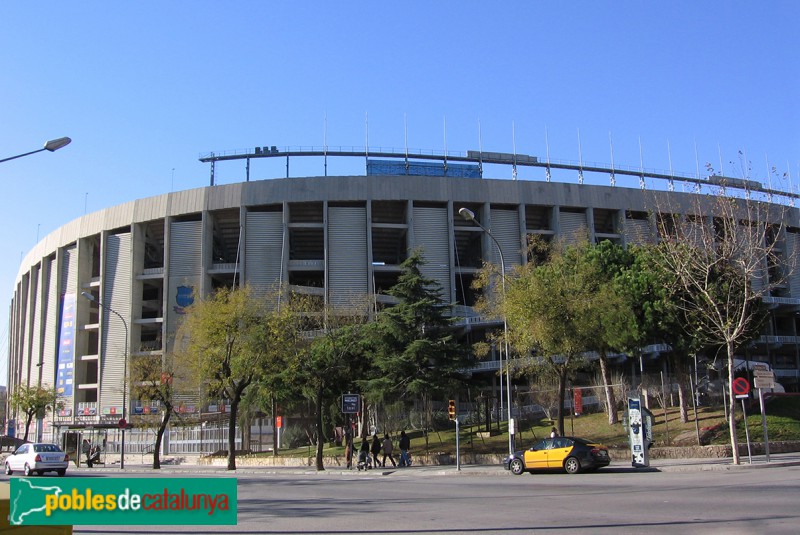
pixel 144 87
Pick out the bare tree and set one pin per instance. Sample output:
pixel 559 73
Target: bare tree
pixel 723 252
pixel 544 392
pixel 151 382
pixel 617 385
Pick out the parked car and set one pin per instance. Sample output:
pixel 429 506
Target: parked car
pixel 570 454
pixel 33 459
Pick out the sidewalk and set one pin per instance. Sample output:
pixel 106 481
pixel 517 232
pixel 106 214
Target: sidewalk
pixel 779 460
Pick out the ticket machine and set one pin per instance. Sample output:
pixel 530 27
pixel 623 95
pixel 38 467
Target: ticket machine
pixel 640 432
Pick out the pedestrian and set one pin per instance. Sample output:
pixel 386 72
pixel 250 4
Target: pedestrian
pixel 86 447
pixel 375 449
pixel 387 450
pixel 553 432
pixel 404 444
pixel 363 455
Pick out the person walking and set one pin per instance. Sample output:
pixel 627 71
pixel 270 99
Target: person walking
pixel 86 447
pixel 404 444
pixel 387 450
pixel 363 455
pixel 375 449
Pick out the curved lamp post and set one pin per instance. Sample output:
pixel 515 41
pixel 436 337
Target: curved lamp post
pixel 469 215
pixel 52 145
pixel 124 421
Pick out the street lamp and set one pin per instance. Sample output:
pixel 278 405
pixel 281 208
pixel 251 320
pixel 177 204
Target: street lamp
pixel 52 145
pixel 467 214
pixel 123 423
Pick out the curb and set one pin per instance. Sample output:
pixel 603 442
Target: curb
pixel 439 471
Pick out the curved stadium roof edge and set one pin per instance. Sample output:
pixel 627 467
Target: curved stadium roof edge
pixel 353 188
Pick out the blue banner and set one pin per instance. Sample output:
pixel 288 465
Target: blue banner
pixel 66 346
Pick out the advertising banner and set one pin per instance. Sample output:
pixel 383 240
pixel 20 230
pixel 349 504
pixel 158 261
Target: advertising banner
pixel 123 501
pixel 66 347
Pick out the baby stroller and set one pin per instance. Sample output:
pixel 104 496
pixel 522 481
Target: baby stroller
pixel 364 460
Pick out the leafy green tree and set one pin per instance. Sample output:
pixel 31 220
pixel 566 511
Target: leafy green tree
pixel 414 349
pixel 232 340
pixel 650 291
pixel 33 401
pixel 331 360
pixel 608 324
pixel 545 305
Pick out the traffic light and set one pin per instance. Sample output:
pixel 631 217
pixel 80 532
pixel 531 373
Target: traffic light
pixel 451 409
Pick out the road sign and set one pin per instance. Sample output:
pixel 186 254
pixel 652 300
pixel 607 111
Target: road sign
pixel 123 424
pixel 351 403
pixel 741 387
pixel 279 421
pixel 764 381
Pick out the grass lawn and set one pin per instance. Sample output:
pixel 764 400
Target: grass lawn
pixel 783 421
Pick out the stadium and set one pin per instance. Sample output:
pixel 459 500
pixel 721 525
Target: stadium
pixel 111 286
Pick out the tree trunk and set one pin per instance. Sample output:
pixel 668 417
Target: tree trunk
pixel 732 398
pixel 232 432
pixel 562 387
pixel 245 425
pixel 27 426
pixel 682 399
pixel 159 436
pixel 318 403
pixel 678 362
pixel 611 402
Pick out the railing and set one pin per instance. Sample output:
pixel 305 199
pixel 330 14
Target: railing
pixel 781 300
pixel 742 187
pixel 772 339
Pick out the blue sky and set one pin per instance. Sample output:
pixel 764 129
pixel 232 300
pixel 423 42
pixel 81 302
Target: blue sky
pixel 144 87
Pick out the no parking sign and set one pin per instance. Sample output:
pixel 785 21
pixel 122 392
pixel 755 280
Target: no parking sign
pixel 741 387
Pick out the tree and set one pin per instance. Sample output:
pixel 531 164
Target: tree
pixel 33 401
pixel 608 322
pixel 720 258
pixel 152 381
pixel 331 360
pixel 230 341
pixel 545 307
pixel 650 290
pixel 414 350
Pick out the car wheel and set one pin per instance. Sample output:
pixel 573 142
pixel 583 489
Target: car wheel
pixel 572 465
pixel 516 467
pixel 27 471
pixel 9 471
pixel 61 473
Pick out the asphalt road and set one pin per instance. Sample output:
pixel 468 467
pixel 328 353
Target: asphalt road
pixel 421 502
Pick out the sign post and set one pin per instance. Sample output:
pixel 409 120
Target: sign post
pixel 763 378
pixel 741 389
pixel 351 403
pixel 458 450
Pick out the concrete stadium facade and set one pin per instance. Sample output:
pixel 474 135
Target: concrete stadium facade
pixel 330 236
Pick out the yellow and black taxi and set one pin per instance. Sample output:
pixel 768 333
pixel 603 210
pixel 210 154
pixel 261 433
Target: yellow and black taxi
pixel 570 454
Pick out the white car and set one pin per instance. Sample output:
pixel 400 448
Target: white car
pixel 37 459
